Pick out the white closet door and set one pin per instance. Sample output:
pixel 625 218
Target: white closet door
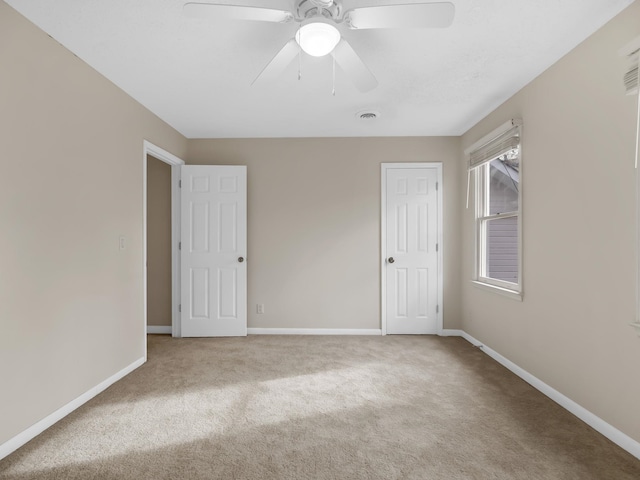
pixel 411 260
pixel 213 251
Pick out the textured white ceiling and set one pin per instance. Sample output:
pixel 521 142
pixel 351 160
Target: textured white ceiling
pixel 196 74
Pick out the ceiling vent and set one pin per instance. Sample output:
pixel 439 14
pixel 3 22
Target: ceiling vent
pixel 367 115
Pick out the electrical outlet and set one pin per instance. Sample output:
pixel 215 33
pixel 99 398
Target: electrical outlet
pixel 260 308
pixel 122 244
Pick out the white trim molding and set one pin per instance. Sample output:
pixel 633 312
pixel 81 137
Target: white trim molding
pixel 314 331
pixel 616 436
pixel 505 292
pixel 174 162
pixel 159 329
pixel 33 431
pixel 486 149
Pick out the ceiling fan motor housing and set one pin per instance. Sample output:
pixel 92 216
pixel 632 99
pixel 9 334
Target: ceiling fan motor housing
pixel 318 8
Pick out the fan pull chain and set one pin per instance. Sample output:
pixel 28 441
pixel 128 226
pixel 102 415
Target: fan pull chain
pixel 333 91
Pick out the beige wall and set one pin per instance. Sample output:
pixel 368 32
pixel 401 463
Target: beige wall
pixel 71 308
pixel 158 242
pixel 314 224
pixel 571 330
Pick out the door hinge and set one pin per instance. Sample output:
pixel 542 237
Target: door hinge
pixel 179 183
pixel 180 308
pixel 437 308
pixel 436 186
pixel 179 245
pixel 437 247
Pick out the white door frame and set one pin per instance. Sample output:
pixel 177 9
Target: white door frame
pixel 383 236
pixel 175 162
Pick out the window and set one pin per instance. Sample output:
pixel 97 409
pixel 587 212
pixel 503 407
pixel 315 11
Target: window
pixel 496 165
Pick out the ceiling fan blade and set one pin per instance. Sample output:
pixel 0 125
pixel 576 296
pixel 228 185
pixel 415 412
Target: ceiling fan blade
pixel 278 63
pixel 354 67
pixel 236 12
pixel 415 15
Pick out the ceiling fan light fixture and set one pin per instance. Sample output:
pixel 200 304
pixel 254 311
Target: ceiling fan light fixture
pixel 317 38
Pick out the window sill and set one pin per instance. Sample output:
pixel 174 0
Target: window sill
pixel 636 325
pixel 505 292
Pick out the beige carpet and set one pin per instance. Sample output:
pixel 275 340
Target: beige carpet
pixel 320 408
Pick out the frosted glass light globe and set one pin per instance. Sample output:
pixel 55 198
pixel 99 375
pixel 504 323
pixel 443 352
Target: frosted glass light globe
pixel 318 38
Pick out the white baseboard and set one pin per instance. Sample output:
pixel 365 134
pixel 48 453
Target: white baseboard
pixel 19 440
pixel 447 332
pixel 612 433
pixel 474 342
pixel 314 331
pixel 159 329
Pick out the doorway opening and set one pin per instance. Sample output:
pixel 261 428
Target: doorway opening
pixel 159 319
pixel 158 159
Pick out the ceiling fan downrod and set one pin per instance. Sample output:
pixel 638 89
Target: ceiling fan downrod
pixel 322 3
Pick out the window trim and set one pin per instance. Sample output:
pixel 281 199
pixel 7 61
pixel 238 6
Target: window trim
pixel 508 289
pixel 498 290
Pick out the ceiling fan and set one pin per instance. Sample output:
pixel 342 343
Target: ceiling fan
pixel 319 35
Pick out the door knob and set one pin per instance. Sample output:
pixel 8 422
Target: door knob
pixel 241 259
pixel 391 260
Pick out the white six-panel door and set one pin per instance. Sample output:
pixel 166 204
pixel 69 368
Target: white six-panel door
pixel 213 251
pixel 411 261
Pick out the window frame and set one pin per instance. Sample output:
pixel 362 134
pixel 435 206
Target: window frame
pixel 482 217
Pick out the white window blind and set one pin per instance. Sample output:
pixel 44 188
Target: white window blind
pixel 500 141
pixel 631 79
pixel 632 86
pixel 500 145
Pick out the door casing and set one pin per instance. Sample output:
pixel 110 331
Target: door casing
pixel 383 237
